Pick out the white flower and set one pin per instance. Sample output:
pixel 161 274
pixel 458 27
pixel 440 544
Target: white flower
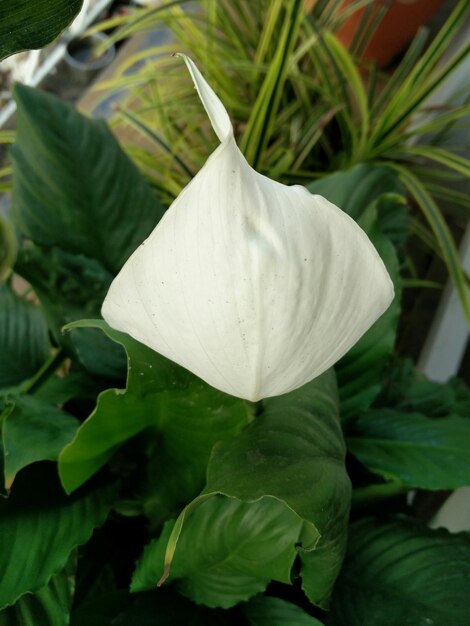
pixel 254 286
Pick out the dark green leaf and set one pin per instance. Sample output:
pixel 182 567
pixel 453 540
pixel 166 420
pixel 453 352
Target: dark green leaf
pixel 293 452
pixel 31 24
pixel 417 450
pixel 400 573
pixel 24 341
pixel 72 286
pixel 266 611
pixel 73 186
pixel 186 415
pixel 50 606
pixel 355 189
pixel 228 551
pixel 61 389
pixel 39 529
pixel 32 431
pixel 408 390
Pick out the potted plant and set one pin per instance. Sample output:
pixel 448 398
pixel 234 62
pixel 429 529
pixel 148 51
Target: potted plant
pixel 146 494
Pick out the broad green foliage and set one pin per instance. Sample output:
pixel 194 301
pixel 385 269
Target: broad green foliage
pixel 74 188
pixel 292 452
pixel 414 449
pixel 32 431
pixel 401 573
pixel 50 605
pixel 72 286
pixel 38 534
pixel 85 207
pixel 186 417
pixel 31 24
pixel 408 390
pixel 228 551
pixel 24 341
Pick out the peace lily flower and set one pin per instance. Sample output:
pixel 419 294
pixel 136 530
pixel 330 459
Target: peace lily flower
pixel 254 286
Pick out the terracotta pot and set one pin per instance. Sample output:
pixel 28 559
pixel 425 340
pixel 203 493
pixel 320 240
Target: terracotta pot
pixel 395 31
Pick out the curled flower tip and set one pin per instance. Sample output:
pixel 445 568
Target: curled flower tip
pixel 255 286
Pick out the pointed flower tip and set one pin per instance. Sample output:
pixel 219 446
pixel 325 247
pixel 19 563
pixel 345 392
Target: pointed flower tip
pixel 214 108
pixel 254 286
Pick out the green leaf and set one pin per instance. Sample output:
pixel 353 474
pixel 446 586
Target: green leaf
pixel 24 341
pixel 263 113
pixel 61 389
pixel 228 551
pixel 39 530
pixel 401 573
pixel 73 186
pixel 187 418
pixel 355 189
pixel 50 606
pixel 72 286
pixel 408 390
pixel 293 453
pixel 267 611
pixel 414 449
pixel 31 24
pixel 32 431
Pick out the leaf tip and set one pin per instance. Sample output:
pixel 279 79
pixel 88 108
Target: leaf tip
pixel 165 575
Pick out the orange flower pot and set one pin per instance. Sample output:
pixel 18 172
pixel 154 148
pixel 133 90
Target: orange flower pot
pixel 395 31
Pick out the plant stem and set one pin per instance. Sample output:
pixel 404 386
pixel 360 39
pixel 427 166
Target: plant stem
pixel 372 493
pixel 46 371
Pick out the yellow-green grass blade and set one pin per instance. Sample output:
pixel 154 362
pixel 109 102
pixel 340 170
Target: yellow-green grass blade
pixel 442 233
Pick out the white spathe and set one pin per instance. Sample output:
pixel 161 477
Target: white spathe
pixel 254 286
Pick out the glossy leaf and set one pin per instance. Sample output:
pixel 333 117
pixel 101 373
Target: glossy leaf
pixel 292 452
pixel 38 533
pixel 74 188
pixel 32 24
pixel 185 414
pixel 32 431
pixel 24 341
pixel 50 605
pixel 414 449
pixel 401 573
pixel 84 204
pixel 228 551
